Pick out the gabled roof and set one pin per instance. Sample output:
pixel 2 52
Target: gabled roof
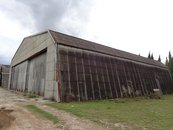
pixel 88 45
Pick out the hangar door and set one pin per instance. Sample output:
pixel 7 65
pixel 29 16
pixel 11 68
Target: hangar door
pixel 36 74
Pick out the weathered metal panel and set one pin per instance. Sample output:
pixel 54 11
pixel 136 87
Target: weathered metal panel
pixel 19 76
pixel 36 74
pixel 87 75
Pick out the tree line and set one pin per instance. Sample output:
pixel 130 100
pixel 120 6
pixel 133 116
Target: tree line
pixel 168 63
pixel 150 56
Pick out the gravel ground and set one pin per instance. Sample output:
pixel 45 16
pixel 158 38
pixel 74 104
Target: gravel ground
pixel 14 116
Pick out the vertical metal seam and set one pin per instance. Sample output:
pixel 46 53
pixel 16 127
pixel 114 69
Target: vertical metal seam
pixel 134 78
pixel 141 82
pixel 123 65
pixel 59 72
pixel 77 79
pixel 113 79
pixel 119 84
pixel 91 77
pixel 97 78
pixel 108 80
pixel 104 82
pixel 68 72
pixel 86 95
pixel 128 73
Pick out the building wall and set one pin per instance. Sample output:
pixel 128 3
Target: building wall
pixel 51 82
pixel 4 75
pixel 36 74
pixel 86 75
pixel 31 46
pixel 66 73
pixel 33 66
pixel 19 76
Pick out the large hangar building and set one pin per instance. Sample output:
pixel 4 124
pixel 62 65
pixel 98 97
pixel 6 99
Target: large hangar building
pixel 65 68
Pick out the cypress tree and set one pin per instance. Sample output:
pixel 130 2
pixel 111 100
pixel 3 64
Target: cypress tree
pixel 166 63
pixel 170 56
pixel 169 63
pixel 149 56
pixel 159 59
pixel 152 57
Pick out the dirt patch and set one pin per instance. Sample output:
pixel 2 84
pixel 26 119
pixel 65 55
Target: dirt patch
pixel 121 125
pixel 71 121
pixel 15 116
pixel 6 118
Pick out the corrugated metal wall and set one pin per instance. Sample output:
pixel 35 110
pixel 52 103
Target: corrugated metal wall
pixel 86 75
pixel 29 76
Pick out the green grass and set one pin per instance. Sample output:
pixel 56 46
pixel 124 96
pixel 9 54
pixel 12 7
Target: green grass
pixel 43 113
pixel 134 114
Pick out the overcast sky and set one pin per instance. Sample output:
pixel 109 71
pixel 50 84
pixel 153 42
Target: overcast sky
pixel 136 26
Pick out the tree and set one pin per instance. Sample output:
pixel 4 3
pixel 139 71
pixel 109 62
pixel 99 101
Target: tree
pixel 152 57
pixel 171 66
pixel 169 63
pixel 159 59
pixel 149 56
pixel 170 56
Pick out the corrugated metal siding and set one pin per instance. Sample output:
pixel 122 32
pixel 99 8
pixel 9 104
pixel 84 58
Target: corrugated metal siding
pixel 36 74
pixel 87 75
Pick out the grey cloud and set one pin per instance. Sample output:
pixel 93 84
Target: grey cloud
pixel 62 15
pixel 16 12
pixel 45 14
pixel 67 16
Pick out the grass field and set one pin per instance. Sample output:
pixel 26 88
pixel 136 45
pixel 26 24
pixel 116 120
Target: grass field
pixel 43 113
pixel 130 114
